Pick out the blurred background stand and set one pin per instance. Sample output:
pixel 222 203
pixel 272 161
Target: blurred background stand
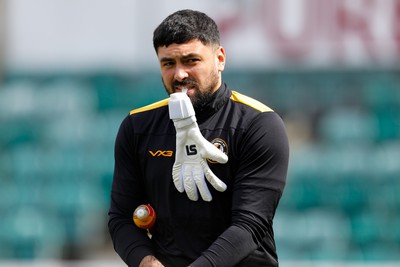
pixel 2 38
pixel 71 70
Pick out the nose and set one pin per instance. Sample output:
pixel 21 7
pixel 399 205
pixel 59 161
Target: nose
pixel 180 73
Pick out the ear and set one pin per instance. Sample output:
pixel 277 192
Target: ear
pixel 221 58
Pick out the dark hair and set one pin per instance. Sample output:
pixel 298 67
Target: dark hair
pixel 186 25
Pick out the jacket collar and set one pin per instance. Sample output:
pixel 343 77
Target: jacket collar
pixel 219 98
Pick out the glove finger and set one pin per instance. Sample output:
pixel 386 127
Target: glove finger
pixel 217 183
pixel 188 183
pixel 213 153
pixel 217 155
pixel 177 177
pixel 198 176
pixel 207 149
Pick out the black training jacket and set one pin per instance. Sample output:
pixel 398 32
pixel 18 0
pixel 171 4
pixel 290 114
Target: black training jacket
pixel 235 228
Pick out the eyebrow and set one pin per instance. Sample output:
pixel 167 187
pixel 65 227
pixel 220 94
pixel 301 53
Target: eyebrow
pixel 191 55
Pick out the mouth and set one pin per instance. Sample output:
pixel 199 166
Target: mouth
pixel 185 89
pixel 189 85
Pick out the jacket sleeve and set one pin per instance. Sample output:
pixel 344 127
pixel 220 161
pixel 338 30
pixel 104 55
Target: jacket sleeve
pixel 257 188
pixel 130 242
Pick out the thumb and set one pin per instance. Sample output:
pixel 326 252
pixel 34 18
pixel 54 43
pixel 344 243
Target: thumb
pixel 207 149
pixel 213 153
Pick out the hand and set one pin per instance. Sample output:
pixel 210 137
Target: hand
pixel 192 150
pixel 150 261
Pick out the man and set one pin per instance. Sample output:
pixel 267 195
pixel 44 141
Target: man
pixel 230 224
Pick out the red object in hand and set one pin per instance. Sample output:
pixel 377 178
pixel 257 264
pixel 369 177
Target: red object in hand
pixel 144 216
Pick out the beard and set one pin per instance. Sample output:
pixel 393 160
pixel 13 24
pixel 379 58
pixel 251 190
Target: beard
pixel 200 99
pixel 201 96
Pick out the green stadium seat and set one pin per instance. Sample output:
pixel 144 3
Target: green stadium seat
pixel 312 234
pixel 17 99
pixel 348 126
pixel 31 232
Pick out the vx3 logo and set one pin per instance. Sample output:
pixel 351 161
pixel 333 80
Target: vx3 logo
pixel 161 153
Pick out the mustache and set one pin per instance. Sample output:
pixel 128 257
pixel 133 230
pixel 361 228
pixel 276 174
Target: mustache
pixel 184 83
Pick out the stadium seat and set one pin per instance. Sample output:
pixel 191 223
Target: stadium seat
pixel 348 126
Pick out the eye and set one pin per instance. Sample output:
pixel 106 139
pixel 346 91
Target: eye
pixel 192 60
pixel 167 64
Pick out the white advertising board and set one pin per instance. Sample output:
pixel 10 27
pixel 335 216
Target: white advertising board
pixel 117 34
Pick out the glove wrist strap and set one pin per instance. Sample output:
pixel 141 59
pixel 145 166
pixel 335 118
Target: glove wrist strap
pixel 180 106
pixel 184 122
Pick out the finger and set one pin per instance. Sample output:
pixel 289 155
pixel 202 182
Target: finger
pixel 207 149
pixel 198 176
pixel 177 177
pixel 215 154
pixel 188 183
pixel 217 183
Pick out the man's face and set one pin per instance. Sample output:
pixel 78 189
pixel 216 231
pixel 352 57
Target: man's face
pixel 193 66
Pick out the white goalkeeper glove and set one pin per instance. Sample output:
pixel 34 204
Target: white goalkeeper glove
pixel 192 151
